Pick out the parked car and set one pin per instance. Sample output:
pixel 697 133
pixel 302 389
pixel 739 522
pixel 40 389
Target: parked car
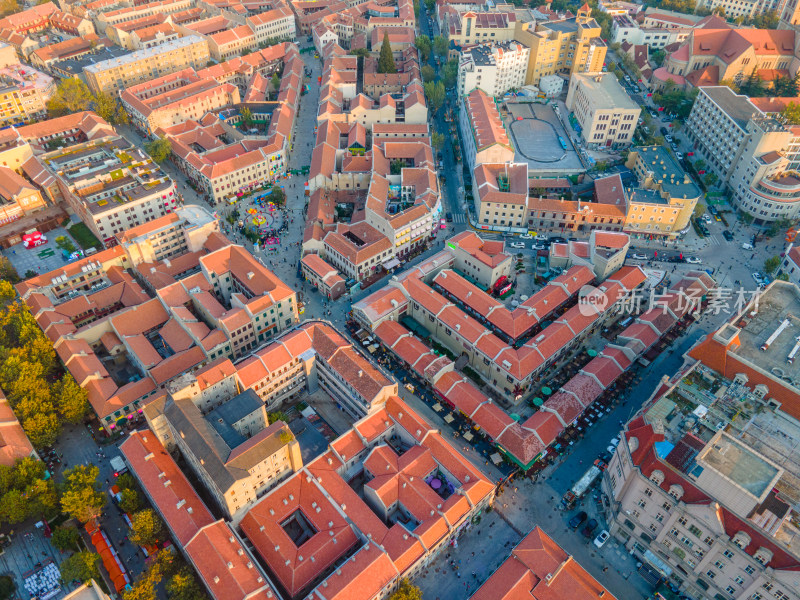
pixel 693 260
pixel 577 520
pixel 707 218
pixel 665 132
pixel 668 138
pixel 747 246
pixel 526 236
pixel 558 240
pixel 679 155
pixel 442 224
pixel 589 528
pixel 638 256
pixel 727 235
pixel 517 245
pixel 759 278
pixel 601 539
pixel 605 457
pixel 536 246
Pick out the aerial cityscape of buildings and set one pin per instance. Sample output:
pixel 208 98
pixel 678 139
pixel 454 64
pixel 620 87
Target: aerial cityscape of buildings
pixel 389 300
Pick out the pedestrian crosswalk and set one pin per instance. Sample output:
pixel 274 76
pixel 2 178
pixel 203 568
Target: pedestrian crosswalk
pixel 459 218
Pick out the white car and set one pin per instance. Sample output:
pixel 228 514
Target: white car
pixel 707 218
pixel 601 538
pixel 693 260
pixel 668 138
pixel 679 155
pixel 758 278
pixel 639 256
pixel 517 245
pixel 536 246
pixel 526 236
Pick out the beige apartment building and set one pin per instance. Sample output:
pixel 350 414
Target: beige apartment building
pixel 567 46
pixel 116 74
pixel 230 446
pixel 663 200
pixel 606 114
pixel 704 484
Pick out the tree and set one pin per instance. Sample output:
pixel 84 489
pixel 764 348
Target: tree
pixel 278 196
pixel 423 44
pixel 146 527
pixel 159 149
pixel 360 52
pixel 428 74
pixel 7 587
pixel 247 116
pixel 771 264
pixel 42 429
pixel 130 501
pixel 80 496
pixel 767 20
pixel 434 92
pixel 277 416
pixel 184 586
pixel 699 209
pixel 71 400
pixel 276 81
pixel 450 73
pixel 785 87
pixel 144 588
pixel 386 59
pixel 441 45
pixel 8 7
pixel 437 139
pixel 657 57
pixel 65 538
pixel 81 566
pixel 710 179
pixel 753 87
pixel 12 507
pixel 406 591
pixel 7 271
pixel 699 165
pixel 792 113
pixel 106 106
pixel 72 95
pixel 285 436
pixel 396 166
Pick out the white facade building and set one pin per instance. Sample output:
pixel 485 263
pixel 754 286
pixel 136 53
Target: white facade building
pixel 494 68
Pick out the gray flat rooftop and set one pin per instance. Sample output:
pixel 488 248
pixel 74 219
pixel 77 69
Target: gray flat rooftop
pixel 565 26
pixel 237 408
pixel 672 176
pixel 740 464
pixel 605 91
pixel 737 107
pixel 535 140
pixel 779 301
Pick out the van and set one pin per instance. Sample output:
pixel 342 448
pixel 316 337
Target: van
pixel 747 246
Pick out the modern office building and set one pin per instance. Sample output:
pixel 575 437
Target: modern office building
pixel 494 67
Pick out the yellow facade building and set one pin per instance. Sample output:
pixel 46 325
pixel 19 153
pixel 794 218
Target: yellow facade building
pixel 663 201
pixel 567 46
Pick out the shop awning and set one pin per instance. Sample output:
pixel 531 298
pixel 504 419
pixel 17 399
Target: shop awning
pixel 391 264
pixel 448 418
pixel 496 458
pixel 437 407
pixel 468 436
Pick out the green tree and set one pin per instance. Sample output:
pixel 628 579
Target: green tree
pixel 450 73
pixel 7 587
pixel 130 501
pixel 428 74
pixel 65 538
pixel 771 264
pixel 710 179
pixel 767 20
pixel 247 116
pixel 80 494
pixel 163 565
pixel 42 429
pixel 435 93
pixel 276 81
pixel 7 271
pixel 159 149
pixel 792 113
pixel 8 7
pixel 441 45
pixel 657 57
pixel 699 209
pixel 277 416
pixel 184 586
pixel 12 507
pixel 7 293
pixel 785 87
pixel 72 95
pixel 71 400
pixel 424 45
pixel 126 481
pixel 406 591
pixel 437 139
pixel 360 52
pixel 753 87
pixel 386 59
pixel 146 527
pixel 81 566
pixel 107 107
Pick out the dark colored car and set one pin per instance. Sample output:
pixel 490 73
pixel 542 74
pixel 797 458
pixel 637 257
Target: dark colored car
pixel 589 528
pixel 557 240
pixel 605 457
pixel 727 235
pixel 449 217
pixel 664 131
pixel 576 521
